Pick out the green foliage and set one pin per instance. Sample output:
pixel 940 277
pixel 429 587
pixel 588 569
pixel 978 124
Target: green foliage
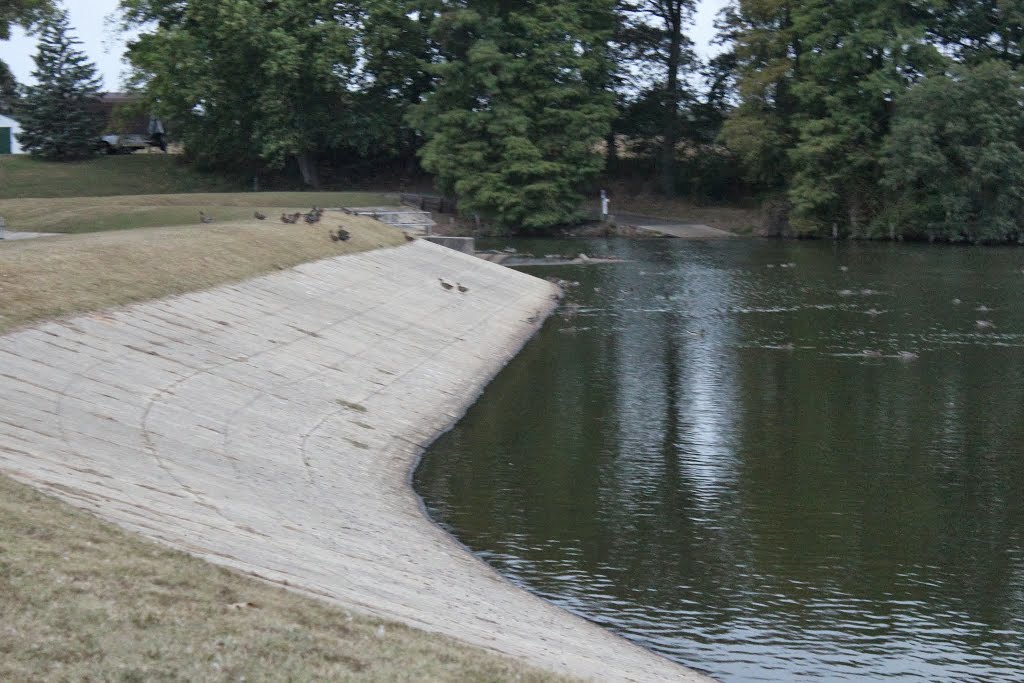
pixel 25 13
pixel 864 57
pixel 9 96
pixel 58 115
pixel 398 49
pixel 979 30
pixel 766 48
pixel 513 122
pixel 955 160
pixel 247 82
pixel 818 83
pixel 652 39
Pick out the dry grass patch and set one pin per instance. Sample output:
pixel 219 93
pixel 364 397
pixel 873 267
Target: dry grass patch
pixel 93 214
pixel 82 600
pixel 59 276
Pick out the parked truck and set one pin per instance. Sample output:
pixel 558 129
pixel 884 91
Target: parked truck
pixel 128 130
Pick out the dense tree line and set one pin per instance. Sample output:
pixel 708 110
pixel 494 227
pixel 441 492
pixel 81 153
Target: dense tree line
pixel 883 119
pixel 855 119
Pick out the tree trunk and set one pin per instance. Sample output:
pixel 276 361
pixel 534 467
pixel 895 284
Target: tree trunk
pixel 674 20
pixel 612 153
pixel 308 169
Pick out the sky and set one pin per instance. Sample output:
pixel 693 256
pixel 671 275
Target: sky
pixel 92 23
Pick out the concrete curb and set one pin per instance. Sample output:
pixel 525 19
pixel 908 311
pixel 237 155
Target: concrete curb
pixel 271 425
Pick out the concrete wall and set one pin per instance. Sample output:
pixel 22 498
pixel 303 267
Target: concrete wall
pixel 8 122
pixel 271 425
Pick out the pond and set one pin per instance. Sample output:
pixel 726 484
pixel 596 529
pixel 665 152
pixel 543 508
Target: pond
pixel 766 460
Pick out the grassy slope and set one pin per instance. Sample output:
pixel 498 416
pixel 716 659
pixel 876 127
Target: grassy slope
pixel 24 176
pixel 56 276
pixel 82 600
pixel 91 214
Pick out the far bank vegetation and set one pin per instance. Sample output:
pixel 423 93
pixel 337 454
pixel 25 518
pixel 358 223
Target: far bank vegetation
pixel 874 120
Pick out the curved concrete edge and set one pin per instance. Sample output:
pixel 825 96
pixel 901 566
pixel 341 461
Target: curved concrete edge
pixel 271 426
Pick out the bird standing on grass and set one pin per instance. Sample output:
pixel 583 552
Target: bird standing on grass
pixel 260 216
pixel 204 219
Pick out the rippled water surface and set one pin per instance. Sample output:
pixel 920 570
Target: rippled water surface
pixel 768 461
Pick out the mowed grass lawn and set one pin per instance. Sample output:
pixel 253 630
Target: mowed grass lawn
pixel 92 214
pixel 58 276
pixel 25 176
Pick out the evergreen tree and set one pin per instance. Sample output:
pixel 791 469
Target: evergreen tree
pixel 9 96
pixel 59 116
pixel 514 122
pixel 979 30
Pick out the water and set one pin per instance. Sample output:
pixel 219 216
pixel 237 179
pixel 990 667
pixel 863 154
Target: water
pixel 699 455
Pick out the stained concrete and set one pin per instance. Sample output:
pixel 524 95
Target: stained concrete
pixel 271 425
pixel 671 228
pixel 7 235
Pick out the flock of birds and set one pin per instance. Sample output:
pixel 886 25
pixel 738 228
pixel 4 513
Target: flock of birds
pixel 340 235
pixel 447 286
pixel 982 324
pixel 311 217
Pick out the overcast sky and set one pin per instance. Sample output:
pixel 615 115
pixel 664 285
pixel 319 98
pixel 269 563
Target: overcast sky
pixel 102 44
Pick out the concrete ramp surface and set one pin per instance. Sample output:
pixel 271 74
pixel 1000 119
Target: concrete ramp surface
pixel 271 425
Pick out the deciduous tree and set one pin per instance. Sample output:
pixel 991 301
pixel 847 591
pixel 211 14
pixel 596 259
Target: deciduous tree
pixel 954 164
pixel 250 81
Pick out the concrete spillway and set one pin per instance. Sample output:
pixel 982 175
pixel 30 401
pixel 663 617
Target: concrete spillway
pixel 270 426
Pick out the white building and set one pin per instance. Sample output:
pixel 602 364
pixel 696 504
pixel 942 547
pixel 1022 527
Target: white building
pixel 8 142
